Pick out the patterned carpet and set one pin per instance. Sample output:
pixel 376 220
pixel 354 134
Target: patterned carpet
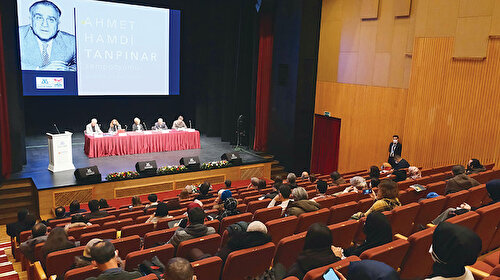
pixel 7 271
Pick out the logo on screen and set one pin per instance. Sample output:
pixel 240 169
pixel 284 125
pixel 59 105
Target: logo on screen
pixel 49 83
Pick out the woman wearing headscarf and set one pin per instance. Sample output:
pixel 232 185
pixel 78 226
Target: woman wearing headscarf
pixel 474 167
pixel 161 213
pixel 493 188
pixel 378 232
pixel 317 251
pixel 453 247
pixel 230 205
pixel 371 270
pixel 414 173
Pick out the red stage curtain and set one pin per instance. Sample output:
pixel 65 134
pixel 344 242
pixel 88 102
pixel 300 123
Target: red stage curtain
pixel 325 154
pixel 263 81
pixel 6 165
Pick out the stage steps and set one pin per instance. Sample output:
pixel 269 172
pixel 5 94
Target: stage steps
pixel 14 195
pixel 276 168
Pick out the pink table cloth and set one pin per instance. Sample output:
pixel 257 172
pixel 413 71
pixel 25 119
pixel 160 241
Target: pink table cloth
pixel 140 143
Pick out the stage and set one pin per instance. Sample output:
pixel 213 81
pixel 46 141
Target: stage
pixel 37 155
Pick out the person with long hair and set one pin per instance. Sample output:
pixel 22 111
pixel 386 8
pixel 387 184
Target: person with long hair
pixel 161 213
pixel 114 126
pixel 56 241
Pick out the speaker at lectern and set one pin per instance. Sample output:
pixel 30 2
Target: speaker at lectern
pixel 60 152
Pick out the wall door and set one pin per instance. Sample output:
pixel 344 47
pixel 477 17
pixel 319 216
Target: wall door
pixel 325 149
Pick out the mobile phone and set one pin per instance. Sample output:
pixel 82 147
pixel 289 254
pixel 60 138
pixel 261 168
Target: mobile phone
pixel 330 275
pixel 367 191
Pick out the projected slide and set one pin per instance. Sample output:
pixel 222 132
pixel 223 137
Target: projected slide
pixel 91 48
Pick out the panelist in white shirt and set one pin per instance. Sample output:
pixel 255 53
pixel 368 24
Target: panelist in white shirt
pixel 93 127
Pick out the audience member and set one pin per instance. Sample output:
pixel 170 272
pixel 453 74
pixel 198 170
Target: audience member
pixel 374 182
pixel 136 201
pixel 60 214
pixel 184 194
pixel 357 183
pixel 460 181
pixel 378 231
pixel 173 204
pixel 227 183
pixel 255 235
pixel 300 203
pixel 161 213
pixel 322 187
pixel 317 251
pixel 386 168
pixel 105 257
pixel 196 228
pixel 153 202
pixel 179 269
pixel 278 180
pixel 414 173
pixel 204 191
pixel 77 220
pixel 56 241
pixel 371 270
pixel 493 188
pixel 74 208
pixel 374 172
pixel 25 221
pixel 38 235
pixel 453 247
pixel 312 179
pixel 400 175
pixel 103 203
pixel 282 199
pixel 222 195
pixel 272 194
pixel 337 178
pixel 262 184
pixel 385 200
pixel 304 175
pixel 254 183
pixel 291 179
pixel 86 259
pixel 400 163
pixel 230 206
pixel 94 210
pixel 474 167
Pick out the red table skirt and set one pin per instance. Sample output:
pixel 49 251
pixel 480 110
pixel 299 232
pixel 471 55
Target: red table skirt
pixel 140 143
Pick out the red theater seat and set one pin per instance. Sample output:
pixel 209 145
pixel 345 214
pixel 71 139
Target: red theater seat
pixel 117 224
pixel 437 187
pixel 258 204
pixel 289 248
pixel 403 217
pixel 365 204
pixel 343 233
pixel 342 212
pixel 59 262
pixel 101 221
pixel 281 228
pixel 127 245
pixel 307 219
pixel 455 199
pixel 133 215
pixel 237 264
pixel 164 253
pixel 487 224
pixel 227 221
pixel 391 253
pixel 417 263
pixel 208 269
pixel 208 244
pixel 78 231
pixel 154 238
pixel 468 220
pixel 341 266
pixel 477 195
pixel 326 202
pixel 267 214
pixel 495 241
pixel 139 229
pixel 102 234
pixel 347 197
pixel 429 210
pixel 82 273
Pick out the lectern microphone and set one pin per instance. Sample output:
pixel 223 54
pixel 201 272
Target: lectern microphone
pixel 190 124
pixel 57 129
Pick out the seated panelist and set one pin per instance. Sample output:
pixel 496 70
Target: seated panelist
pixel 160 124
pixel 137 126
pixel 114 126
pixel 179 123
pixel 93 127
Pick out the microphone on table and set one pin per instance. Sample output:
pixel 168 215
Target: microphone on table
pixel 126 127
pixel 190 124
pixel 144 124
pixel 57 129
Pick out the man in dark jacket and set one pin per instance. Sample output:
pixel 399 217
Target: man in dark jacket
pixel 460 181
pixel 195 229
pixel 94 210
pixel 25 221
pixel 105 257
pixel 38 235
pixel 395 149
pixel 400 163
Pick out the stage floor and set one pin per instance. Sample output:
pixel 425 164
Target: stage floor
pixel 37 156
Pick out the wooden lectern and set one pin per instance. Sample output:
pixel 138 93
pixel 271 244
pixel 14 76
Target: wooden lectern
pixel 60 152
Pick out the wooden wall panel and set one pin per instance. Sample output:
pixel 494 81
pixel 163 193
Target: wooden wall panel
pixel 369 9
pixel 472 35
pixel 402 8
pixel 453 111
pixel 370 116
pixel 474 8
pixel 495 20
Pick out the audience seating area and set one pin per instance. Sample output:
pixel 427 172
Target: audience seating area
pixel 408 253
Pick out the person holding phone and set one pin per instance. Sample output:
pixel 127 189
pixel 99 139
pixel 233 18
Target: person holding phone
pixel 332 274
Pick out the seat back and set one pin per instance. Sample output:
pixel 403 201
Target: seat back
pixel 245 194
pixel 417 263
pixel 102 234
pixel 246 217
pixel 457 198
pixel 117 212
pixel 476 195
pixel 102 220
pixel 267 214
pixel 126 245
pixel 281 227
pixel 237 263
pixel 487 224
pixel 307 219
pixel 207 244
pixel 249 199
pixel 342 212
pixel 152 239
pixel 117 224
pixel 495 240
pixel 429 210
pixel 342 266
pixel 403 217
pixel 139 229
pixel 38 273
pixel 133 215
pixel 76 232
pixel 59 262
pixel 53 223
pixel 347 197
pixel 208 269
pixel 343 233
pixel 213 223
pixel 365 204
pixel 289 248
pixel 326 202
pixel 391 253
pixel 437 187
pixel 468 220
pixel 163 252
pixel 82 273
pixel 252 206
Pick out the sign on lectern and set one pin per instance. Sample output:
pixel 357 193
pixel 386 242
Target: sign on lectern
pixel 60 152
